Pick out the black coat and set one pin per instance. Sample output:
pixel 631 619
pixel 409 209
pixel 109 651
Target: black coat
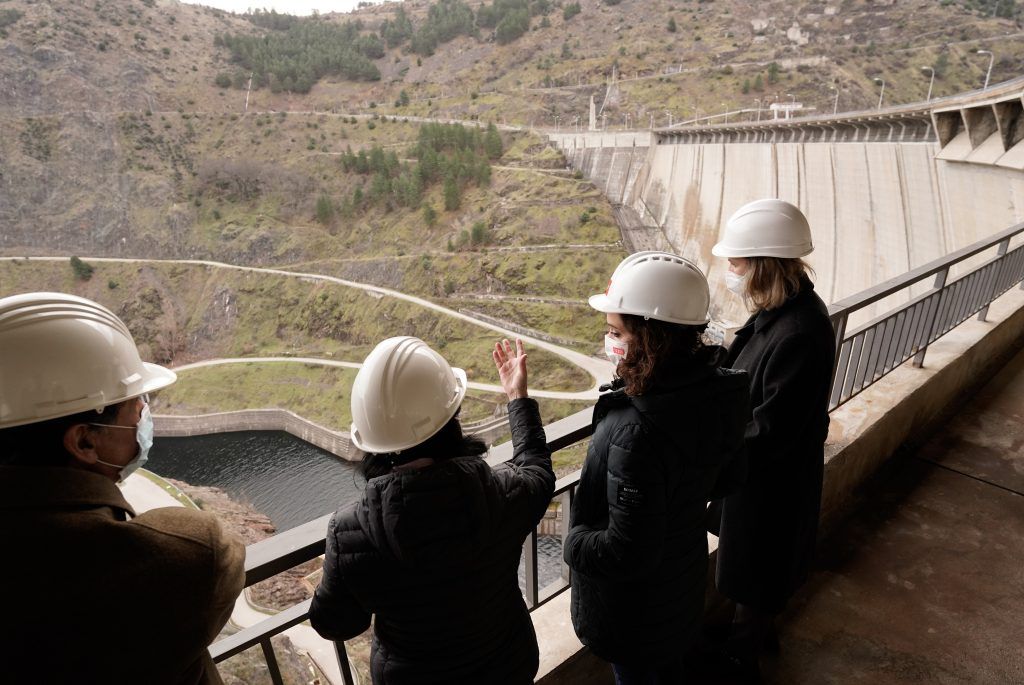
pixel 433 555
pixel 637 544
pixel 768 527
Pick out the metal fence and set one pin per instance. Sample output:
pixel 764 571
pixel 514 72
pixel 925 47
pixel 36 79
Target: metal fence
pixel 865 355
pixel 874 349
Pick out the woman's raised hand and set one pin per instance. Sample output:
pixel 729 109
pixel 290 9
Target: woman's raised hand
pixel 511 366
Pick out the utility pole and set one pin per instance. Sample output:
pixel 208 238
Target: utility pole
pixel 930 83
pixel 882 93
pixel 248 90
pixel 991 61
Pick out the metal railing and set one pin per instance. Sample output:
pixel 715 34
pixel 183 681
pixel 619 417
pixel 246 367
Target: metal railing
pixel 875 349
pixel 865 355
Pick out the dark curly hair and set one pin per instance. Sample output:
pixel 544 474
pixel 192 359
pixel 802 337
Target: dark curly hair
pixel 656 346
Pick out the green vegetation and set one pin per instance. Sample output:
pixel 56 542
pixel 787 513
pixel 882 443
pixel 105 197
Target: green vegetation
pixel 176 311
pixel 8 17
pixel 450 153
pixel 318 393
pixel 321 394
pixel 295 59
pixel 446 19
pixel 82 270
pixel 571 10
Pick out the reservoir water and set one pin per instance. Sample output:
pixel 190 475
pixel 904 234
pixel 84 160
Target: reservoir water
pixel 289 480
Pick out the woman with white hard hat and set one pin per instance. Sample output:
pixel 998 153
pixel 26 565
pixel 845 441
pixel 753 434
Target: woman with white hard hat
pixel 667 438
pixel 431 550
pixel 768 528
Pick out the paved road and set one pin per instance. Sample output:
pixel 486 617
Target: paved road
pixel 542 394
pixel 600 370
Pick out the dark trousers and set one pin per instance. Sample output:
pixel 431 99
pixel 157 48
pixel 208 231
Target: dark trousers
pixel 646 674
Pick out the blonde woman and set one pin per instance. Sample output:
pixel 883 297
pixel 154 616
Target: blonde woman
pixel 768 528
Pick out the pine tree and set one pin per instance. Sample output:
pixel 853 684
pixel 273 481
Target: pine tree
pixel 452 198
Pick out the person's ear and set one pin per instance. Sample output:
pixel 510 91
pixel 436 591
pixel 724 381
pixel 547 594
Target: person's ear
pixel 80 444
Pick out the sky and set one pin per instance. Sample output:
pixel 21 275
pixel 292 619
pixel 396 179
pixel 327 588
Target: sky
pixel 284 6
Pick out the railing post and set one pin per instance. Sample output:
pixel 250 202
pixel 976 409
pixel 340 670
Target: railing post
pixel 999 265
pixel 565 500
pixel 346 668
pixel 268 654
pixel 530 565
pixel 839 329
pixel 931 321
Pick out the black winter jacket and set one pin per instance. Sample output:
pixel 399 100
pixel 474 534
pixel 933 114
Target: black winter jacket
pixel 768 527
pixel 433 556
pixel 637 544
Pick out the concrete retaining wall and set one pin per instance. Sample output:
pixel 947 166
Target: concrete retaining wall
pixel 335 442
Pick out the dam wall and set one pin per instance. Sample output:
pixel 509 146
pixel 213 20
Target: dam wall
pixel 885 191
pixel 877 209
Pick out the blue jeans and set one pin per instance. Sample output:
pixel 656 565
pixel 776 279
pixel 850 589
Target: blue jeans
pixel 645 674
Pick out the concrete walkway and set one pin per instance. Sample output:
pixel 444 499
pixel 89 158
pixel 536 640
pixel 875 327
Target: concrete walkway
pixel 925 583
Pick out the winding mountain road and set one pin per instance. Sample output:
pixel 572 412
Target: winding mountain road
pixel 600 370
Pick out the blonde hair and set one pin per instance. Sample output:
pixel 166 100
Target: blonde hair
pixel 773 280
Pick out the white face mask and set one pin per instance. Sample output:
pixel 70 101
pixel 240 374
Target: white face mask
pixel 144 439
pixel 736 283
pixel 614 349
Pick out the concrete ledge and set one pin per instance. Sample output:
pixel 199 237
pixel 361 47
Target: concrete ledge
pixel 909 403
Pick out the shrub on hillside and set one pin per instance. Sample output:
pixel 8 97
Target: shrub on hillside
pixel 82 270
pixel 571 10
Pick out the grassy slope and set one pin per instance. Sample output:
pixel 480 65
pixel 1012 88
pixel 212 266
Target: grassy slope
pixel 320 394
pixel 182 313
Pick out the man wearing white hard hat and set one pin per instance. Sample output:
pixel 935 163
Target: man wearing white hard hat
pixel 768 528
pixel 667 438
pixel 96 594
pixel 431 549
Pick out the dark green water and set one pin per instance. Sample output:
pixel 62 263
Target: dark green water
pixel 289 480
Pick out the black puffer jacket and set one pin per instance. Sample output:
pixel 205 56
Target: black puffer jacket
pixel 768 527
pixel 433 555
pixel 637 544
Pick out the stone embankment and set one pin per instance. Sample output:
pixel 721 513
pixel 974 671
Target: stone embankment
pixel 335 442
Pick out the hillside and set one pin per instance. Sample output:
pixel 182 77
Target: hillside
pixel 160 55
pixel 130 131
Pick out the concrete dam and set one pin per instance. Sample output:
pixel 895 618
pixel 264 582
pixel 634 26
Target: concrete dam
pixel 885 190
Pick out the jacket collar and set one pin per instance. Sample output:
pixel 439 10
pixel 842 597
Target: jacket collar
pixel 31 487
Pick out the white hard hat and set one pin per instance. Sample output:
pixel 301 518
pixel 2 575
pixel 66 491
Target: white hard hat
pixel 656 285
pixel 766 228
pixel 61 355
pixel 404 393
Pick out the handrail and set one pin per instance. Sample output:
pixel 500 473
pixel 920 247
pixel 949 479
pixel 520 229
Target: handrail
pixel 875 349
pixel 877 292
pixel 864 356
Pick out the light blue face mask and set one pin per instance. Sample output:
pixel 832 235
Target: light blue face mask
pixel 144 438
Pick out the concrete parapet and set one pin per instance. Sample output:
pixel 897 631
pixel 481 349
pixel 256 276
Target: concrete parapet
pixel 337 443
